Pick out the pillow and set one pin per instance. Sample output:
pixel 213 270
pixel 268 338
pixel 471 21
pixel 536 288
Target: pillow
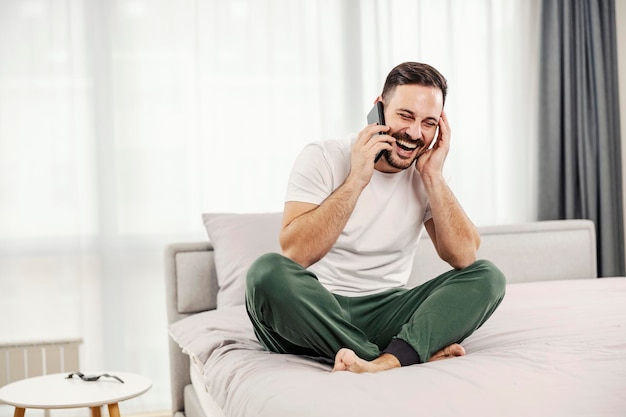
pixel 199 335
pixel 238 240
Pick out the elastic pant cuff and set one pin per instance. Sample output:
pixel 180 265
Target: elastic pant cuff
pixel 403 351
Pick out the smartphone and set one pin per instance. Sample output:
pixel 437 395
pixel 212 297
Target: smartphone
pixel 432 144
pixel 377 115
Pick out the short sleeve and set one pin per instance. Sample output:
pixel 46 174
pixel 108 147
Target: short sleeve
pixel 311 179
pixel 428 214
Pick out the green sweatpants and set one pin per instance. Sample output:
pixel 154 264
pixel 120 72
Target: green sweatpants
pixel 293 313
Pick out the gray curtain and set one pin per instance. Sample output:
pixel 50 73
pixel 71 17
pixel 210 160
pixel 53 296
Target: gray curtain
pixel 579 137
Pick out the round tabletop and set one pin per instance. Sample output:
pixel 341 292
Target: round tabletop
pixel 57 391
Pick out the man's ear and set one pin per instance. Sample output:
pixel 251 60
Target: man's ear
pixel 379 98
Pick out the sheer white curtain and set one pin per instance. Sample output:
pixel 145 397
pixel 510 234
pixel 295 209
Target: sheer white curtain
pixel 122 121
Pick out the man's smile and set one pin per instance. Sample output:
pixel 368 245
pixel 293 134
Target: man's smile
pixel 405 145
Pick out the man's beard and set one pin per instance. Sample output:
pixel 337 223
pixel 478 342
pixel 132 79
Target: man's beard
pixel 403 163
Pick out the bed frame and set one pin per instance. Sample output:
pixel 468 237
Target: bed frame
pixel 537 251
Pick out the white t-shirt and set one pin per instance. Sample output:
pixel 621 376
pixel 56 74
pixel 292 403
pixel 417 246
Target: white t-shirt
pixel 375 250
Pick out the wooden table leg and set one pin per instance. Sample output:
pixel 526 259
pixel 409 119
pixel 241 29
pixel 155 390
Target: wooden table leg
pixel 95 411
pixel 114 410
pixel 19 412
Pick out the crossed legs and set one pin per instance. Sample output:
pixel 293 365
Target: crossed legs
pixel 292 313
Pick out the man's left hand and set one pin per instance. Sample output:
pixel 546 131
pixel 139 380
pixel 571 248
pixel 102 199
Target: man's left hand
pixel 432 160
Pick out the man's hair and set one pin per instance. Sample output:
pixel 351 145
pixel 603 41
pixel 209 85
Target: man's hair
pixel 414 73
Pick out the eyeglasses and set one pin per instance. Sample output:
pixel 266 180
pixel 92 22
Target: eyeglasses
pixel 91 377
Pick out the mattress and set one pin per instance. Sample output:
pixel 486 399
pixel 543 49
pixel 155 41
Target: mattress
pixel 209 406
pixel 552 348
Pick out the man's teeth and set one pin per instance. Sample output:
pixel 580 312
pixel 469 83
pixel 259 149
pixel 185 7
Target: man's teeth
pixel 405 144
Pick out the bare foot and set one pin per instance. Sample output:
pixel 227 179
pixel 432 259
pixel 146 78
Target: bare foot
pixel 347 360
pixel 448 352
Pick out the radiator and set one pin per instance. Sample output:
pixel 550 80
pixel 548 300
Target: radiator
pixel 25 360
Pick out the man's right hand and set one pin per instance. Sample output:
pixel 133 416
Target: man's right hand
pixel 368 145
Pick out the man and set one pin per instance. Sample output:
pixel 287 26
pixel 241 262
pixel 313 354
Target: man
pixel 350 229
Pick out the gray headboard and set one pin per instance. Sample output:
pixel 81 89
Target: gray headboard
pixel 537 251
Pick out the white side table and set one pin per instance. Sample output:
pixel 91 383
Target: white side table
pixel 56 391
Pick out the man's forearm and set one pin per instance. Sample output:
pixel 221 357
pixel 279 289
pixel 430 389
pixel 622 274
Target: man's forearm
pixel 457 239
pixel 309 236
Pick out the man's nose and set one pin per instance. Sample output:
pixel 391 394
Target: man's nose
pixel 415 131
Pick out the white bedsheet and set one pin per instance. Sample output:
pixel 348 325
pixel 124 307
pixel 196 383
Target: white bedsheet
pixel 554 348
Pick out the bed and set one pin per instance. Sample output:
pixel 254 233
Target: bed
pixel 556 346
